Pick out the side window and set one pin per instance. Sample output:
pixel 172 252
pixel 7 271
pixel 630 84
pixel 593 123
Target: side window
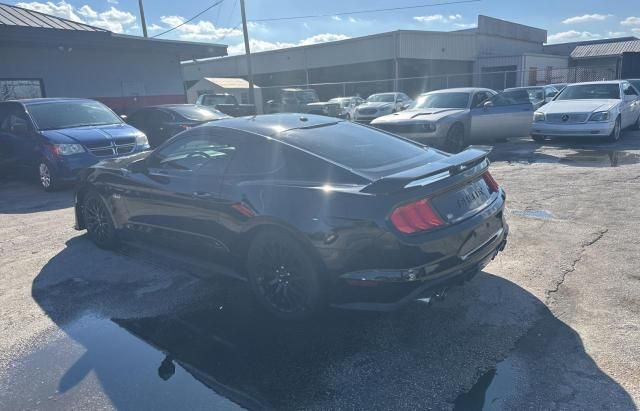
pixel 509 98
pixel 15 121
pixel 629 90
pixel 478 98
pixel 199 148
pixel 260 156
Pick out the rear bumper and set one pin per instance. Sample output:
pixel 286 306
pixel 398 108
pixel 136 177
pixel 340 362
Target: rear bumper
pixel 451 259
pixel 415 284
pixel 572 130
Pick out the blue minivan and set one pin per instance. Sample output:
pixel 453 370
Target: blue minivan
pixel 58 137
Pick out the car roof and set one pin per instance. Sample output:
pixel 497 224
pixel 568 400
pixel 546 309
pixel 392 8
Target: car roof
pixel 596 82
pixel 33 101
pixel 459 90
pixel 269 125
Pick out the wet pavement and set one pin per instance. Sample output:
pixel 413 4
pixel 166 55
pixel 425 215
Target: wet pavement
pixel 84 328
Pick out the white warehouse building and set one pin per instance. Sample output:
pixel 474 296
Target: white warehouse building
pixel 496 54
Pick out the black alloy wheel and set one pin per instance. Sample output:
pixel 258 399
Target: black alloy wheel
pixel 283 276
pixel 97 219
pixel 456 141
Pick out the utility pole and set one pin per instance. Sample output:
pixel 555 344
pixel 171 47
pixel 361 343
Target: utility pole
pixel 247 51
pixel 144 22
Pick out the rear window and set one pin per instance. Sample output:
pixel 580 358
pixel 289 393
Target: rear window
pixel 590 91
pixel 356 147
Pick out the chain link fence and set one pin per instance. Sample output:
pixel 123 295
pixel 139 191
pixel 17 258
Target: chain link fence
pixel 413 86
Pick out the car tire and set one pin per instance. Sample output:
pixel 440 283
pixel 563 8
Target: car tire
pixel 616 133
pixel 456 140
pixel 47 177
pixel 98 221
pixel 284 277
pixel 538 139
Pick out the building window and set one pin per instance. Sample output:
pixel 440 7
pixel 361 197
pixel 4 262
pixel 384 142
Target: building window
pixel 13 89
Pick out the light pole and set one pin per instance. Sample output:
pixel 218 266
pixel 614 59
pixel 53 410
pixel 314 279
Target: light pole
pixel 247 51
pixel 144 22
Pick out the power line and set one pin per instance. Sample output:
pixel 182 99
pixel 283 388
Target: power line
pixel 365 11
pixel 191 19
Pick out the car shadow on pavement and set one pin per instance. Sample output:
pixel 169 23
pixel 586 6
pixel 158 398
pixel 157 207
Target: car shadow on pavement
pixel 18 196
pixel 170 341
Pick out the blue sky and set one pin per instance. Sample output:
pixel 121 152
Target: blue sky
pixel 565 20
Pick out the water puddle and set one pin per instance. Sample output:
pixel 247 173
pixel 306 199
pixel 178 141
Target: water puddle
pixel 600 158
pixel 493 386
pixel 535 214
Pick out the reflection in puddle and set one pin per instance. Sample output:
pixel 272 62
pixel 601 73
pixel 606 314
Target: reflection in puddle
pixel 600 158
pixel 490 388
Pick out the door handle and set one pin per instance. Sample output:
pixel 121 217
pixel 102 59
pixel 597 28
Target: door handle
pixel 202 194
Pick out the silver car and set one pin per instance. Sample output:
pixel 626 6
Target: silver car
pixel 380 104
pixel 538 95
pixel 454 118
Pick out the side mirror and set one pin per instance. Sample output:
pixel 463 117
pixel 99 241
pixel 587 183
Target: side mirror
pixel 124 117
pixel 487 104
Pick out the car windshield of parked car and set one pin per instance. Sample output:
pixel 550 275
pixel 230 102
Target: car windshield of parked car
pixel 195 113
pixel 381 98
pixel 535 94
pixel 442 100
pixel 344 102
pixel 590 91
pixel 635 83
pixel 69 114
pixel 355 147
pixel 307 96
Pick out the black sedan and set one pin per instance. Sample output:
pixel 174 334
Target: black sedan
pixel 160 123
pixel 310 210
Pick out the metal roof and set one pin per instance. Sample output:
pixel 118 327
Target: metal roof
pixel 229 82
pixel 18 16
pixel 605 49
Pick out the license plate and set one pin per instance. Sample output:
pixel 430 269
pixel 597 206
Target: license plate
pixel 455 204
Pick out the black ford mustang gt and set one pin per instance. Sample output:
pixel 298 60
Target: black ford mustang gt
pixel 310 210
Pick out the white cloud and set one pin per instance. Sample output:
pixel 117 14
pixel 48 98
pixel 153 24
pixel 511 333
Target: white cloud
pixel 155 27
pixel 631 21
pixel 60 9
pixel 431 18
pixel 616 34
pixel 586 18
pixel 87 11
pixel 465 25
pixel 261 45
pixel 113 19
pixel 336 18
pixel 636 31
pixel 438 18
pixel 571 35
pixel 112 1
pixel 203 30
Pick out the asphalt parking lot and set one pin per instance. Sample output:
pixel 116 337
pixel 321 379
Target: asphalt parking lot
pixel 552 323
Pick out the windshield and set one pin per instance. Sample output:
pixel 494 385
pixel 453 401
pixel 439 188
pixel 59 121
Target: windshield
pixel 198 113
pixel 69 114
pixel 442 100
pixel 344 102
pixel 590 91
pixel 535 94
pixel 382 98
pixel 307 96
pixel 635 83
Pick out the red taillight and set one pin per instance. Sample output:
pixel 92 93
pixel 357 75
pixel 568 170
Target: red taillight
pixel 416 216
pixel 491 182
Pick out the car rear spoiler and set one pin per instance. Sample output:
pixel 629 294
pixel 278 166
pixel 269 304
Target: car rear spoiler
pixel 428 173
